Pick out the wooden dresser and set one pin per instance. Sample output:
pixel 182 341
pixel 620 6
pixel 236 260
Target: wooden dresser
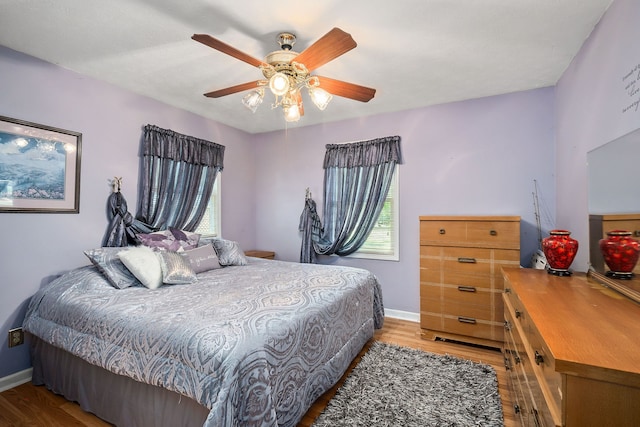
pixel 572 351
pixel 460 275
pixel 599 225
pixel 260 254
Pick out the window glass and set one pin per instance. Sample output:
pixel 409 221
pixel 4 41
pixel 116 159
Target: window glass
pixel 382 242
pixel 210 224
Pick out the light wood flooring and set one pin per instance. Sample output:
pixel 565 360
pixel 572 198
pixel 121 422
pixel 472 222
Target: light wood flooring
pixel 34 406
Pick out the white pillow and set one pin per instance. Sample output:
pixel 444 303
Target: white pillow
pixel 143 263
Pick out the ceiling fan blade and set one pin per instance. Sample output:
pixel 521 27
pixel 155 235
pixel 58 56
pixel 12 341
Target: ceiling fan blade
pixel 333 44
pixel 346 90
pixel 300 103
pixel 225 48
pixel 233 89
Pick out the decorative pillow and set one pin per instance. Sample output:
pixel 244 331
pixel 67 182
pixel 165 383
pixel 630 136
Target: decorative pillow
pixel 203 258
pixel 143 262
pixel 186 239
pixel 109 264
pixel 176 269
pixel 159 241
pixel 229 252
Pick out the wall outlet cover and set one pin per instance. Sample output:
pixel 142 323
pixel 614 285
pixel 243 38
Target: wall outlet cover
pixel 16 337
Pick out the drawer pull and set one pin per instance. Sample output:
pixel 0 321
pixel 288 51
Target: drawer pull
pixel 518 314
pixel 493 232
pixel 538 358
pixel 442 231
pixel 517 359
pixel 467 288
pixel 507 325
pixel 507 290
pixel 507 364
pixel 469 320
pixel 516 408
pixel 467 260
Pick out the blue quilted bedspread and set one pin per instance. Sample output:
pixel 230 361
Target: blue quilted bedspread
pixel 255 344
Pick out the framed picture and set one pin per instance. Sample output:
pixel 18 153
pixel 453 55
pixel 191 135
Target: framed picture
pixel 39 168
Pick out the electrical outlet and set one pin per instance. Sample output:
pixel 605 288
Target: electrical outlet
pixel 16 337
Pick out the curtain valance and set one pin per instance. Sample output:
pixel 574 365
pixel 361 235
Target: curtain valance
pixel 363 153
pixel 168 144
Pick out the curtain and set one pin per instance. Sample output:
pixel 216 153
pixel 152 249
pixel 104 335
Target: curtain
pixel 178 172
pixel 356 182
pixel 122 225
pixel 176 181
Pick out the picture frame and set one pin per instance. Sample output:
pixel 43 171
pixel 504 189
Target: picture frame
pixel 39 168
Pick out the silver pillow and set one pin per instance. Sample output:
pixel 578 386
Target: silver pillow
pixel 229 252
pixel 176 269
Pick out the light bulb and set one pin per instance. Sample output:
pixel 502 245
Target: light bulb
pixel 291 113
pixel 320 97
pixel 253 99
pixel 279 84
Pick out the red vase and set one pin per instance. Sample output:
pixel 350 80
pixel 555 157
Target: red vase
pixel 620 252
pixel 560 250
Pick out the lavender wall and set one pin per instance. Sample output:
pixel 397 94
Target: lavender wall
pixel 477 157
pixel 35 247
pixel 591 99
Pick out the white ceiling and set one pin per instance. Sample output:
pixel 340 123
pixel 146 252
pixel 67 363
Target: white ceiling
pixel 414 52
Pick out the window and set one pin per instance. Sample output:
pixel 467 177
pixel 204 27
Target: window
pixel 382 242
pixel 210 224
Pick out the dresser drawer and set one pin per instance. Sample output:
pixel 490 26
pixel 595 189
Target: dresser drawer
pixel 517 381
pixel 476 267
pixel 538 412
pixel 494 232
pixel 463 300
pixel 537 363
pixel 461 325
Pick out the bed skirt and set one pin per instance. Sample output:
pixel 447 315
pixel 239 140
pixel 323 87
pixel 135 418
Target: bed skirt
pixel 114 398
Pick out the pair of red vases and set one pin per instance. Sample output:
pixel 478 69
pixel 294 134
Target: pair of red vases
pixel 619 249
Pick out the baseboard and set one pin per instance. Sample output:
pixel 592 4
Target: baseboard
pixel 402 315
pixel 14 380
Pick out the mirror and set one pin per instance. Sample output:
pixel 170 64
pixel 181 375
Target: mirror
pixel 614 202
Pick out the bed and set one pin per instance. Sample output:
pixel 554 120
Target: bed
pixel 244 345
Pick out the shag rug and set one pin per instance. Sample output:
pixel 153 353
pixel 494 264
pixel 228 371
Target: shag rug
pixel 400 386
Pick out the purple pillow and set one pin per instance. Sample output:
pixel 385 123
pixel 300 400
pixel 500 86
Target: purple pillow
pixel 203 258
pixel 186 239
pixel 159 241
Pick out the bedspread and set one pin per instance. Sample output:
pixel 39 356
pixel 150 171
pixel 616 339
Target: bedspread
pixel 255 344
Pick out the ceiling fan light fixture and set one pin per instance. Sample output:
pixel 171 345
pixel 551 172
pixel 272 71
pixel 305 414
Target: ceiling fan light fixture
pixel 320 97
pixel 279 84
pixel 291 113
pixel 253 99
pixel 287 72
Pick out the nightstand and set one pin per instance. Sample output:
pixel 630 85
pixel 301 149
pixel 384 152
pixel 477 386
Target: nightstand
pixel 260 254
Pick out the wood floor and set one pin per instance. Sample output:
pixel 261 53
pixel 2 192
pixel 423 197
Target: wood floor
pixel 34 406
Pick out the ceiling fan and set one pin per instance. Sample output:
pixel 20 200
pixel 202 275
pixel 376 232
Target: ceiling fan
pixel 286 73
